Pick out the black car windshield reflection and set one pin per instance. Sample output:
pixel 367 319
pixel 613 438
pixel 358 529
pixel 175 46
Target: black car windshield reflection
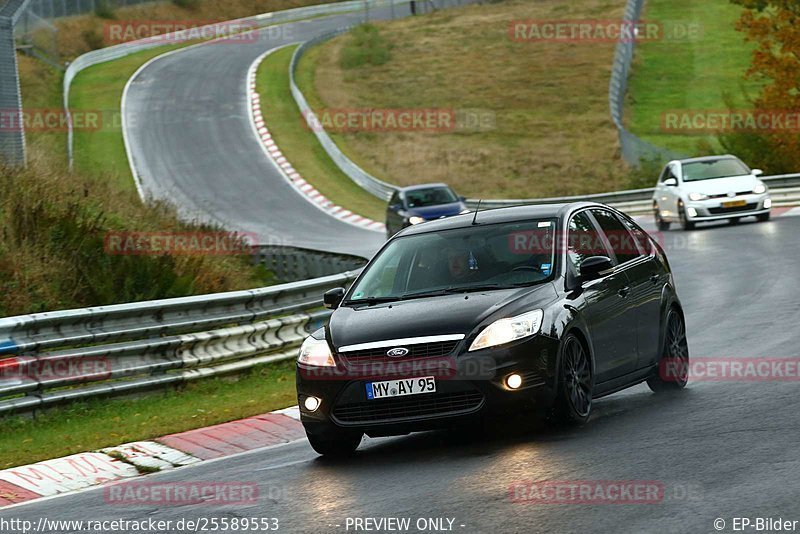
pixel 477 258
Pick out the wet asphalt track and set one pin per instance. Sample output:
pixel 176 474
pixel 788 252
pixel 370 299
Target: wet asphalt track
pixel 191 140
pixel 732 447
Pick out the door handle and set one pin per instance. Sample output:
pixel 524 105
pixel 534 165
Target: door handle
pixel 655 279
pixel 624 291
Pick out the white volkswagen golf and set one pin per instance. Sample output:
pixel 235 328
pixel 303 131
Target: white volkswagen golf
pixel 709 189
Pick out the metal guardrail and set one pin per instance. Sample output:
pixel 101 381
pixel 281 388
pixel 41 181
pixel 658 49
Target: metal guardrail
pixel 783 188
pixel 258 21
pixel 362 178
pixel 48 358
pixel 290 264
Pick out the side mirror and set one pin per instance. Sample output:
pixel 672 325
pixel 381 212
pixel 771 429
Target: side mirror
pixel 462 199
pixel 333 297
pixel 756 172
pixel 596 267
pixel 671 182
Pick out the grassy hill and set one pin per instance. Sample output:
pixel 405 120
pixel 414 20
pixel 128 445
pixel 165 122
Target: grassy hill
pixel 547 102
pixel 688 74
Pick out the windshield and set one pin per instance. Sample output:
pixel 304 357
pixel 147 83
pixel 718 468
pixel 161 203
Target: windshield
pixel 487 257
pixel 708 170
pixel 419 198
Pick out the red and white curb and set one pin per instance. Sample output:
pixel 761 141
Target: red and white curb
pixel 285 167
pixel 88 469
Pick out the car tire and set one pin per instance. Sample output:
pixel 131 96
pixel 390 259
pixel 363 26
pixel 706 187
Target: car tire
pixel 764 217
pixel 673 367
pixel 343 444
pixel 573 402
pixel 661 224
pixel 686 224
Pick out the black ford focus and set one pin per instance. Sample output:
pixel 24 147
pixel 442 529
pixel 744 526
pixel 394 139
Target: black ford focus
pixel 530 308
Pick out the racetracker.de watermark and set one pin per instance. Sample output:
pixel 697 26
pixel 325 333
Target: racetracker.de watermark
pixel 595 492
pixel 181 493
pixel 543 241
pixel 387 120
pixel 182 31
pixel 702 122
pixel 385 368
pixel 57 120
pixel 179 243
pixel 55 368
pixel 601 31
pixel 728 369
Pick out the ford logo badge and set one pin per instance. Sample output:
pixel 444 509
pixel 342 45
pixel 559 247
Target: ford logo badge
pixel 397 352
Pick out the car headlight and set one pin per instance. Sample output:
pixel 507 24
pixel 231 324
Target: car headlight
pixel 760 189
pixel 508 330
pixel 416 220
pixel 316 352
pixel 697 196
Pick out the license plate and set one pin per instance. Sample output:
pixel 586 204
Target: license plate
pixel 400 388
pixel 734 204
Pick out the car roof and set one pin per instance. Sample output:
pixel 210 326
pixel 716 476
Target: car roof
pixel 706 158
pixel 423 186
pixel 501 215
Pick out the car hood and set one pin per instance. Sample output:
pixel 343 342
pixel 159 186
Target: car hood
pixel 722 186
pixel 450 314
pixel 438 211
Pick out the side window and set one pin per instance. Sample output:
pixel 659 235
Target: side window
pixel 583 240
pixel 621 240
pixel 641 237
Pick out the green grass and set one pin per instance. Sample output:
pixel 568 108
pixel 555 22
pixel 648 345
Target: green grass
pixel 689 74
pixel 297 141
pixel 532 118
pixel 100 423
pixel 99 89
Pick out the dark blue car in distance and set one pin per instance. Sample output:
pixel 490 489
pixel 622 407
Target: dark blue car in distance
pixel 420 203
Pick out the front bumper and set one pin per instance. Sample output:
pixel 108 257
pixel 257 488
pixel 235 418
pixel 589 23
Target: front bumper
pixel 476 387
pixel 715 209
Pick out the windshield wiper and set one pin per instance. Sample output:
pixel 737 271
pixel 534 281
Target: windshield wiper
pixel 455 289
pixel 372 300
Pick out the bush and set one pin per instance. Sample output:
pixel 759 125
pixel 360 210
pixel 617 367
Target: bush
pixel 366 46
pixel 187 4
pixel 646 174
pixel 93 38
pixel 53 254
pixel 105 9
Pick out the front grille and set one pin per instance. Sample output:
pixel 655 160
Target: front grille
pixel 423 350
pixel 411 407
pixel 723 195
pixel 722 211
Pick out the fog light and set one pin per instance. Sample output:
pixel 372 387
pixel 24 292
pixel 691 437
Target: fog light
pixel 514 381
pixel 311 404
pixel 692 212
pixel 767 203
